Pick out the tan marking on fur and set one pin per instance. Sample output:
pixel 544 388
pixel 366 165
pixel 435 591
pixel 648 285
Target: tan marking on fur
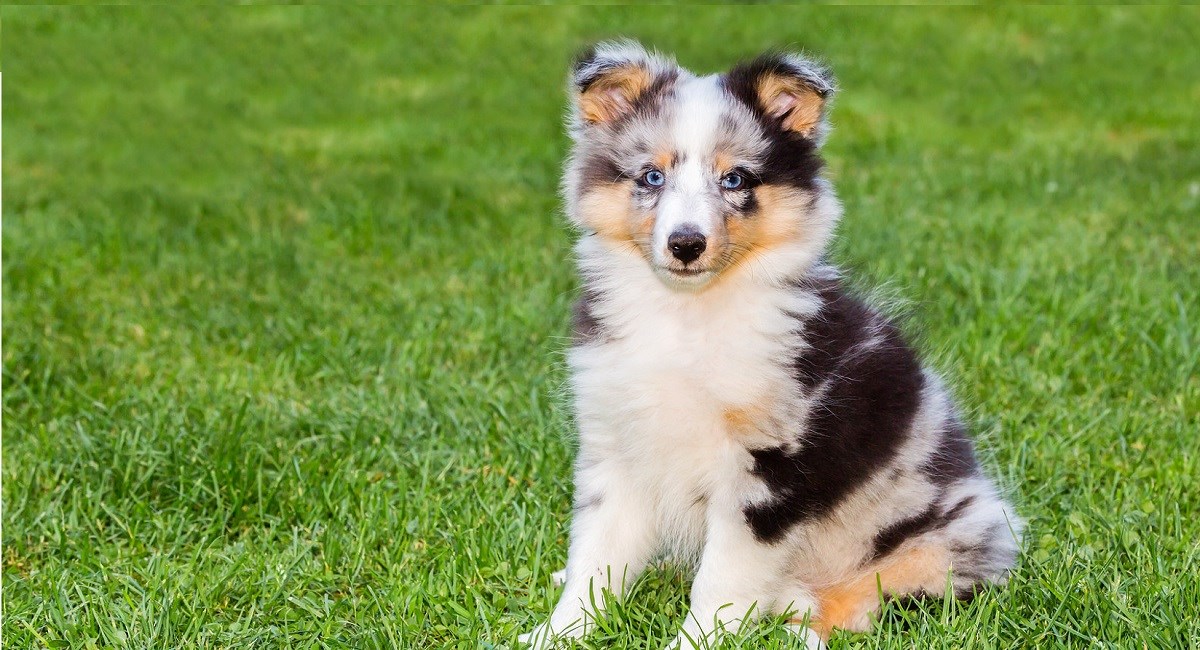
pixel 723 162
pixel 849 605
pixel 777 221
pixel 606 210
pixel 746 420
pixel 613 93
pixel 738 419
pixel 756 424
pixel 804 115
pixel 664 160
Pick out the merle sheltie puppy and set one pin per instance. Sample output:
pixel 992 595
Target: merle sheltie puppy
pixel 738 407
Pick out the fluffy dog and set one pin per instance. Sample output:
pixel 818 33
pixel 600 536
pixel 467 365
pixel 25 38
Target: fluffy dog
pixel 737 406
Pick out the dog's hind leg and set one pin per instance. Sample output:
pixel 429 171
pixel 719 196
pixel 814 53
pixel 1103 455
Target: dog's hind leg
pixel 852 605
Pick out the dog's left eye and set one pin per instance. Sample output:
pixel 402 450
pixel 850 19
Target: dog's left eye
pixel 733 181
pixel 653 178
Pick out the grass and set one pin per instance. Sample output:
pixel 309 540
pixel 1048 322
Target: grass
pixel 286 292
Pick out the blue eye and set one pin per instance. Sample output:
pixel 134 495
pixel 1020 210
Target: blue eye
pixel 732 181
pixel 654 178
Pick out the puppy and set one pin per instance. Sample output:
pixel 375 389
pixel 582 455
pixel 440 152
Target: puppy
pixel 737 406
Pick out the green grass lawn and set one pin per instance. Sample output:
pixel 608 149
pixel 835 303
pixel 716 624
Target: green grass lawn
pixel 286 291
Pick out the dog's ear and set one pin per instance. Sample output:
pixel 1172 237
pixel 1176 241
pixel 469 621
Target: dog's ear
pixel 608 80
pixel 787 90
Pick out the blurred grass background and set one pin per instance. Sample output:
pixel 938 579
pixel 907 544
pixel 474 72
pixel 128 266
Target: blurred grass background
pixel 285 292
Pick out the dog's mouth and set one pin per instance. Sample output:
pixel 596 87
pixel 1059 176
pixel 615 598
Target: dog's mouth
pixel 684 276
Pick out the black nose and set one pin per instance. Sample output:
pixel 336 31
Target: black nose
pixel 686 245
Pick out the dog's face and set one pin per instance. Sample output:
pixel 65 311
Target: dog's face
pixel 698 174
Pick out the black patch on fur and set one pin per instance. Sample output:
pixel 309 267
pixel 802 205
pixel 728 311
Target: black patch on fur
pixel 954 457
pixel 600 169
pixel 870 398
pixel 750 204
pixel 585 327
pixel 888 539
pixel 935 517
pixel 957 509
pixel 840 324
pixel 659 87
pixel 792 159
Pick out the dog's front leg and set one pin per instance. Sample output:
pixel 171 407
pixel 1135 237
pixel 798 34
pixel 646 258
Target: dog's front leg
pixel 612 539
pixel 739 578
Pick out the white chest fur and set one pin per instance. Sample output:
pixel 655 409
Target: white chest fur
pixel 653 394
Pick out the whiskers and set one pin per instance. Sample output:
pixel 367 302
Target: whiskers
pixel 734 253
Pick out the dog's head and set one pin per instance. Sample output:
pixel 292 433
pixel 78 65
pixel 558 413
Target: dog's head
pixel 700 175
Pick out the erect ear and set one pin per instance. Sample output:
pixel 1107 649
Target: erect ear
pixel 787 89
pixel 609 79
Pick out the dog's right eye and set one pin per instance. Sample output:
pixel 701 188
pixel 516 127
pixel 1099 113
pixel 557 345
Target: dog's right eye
pixel 653 178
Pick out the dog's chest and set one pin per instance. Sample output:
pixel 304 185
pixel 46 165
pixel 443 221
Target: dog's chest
pixel 655 396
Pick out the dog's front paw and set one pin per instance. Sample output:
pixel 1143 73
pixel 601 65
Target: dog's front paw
pixel 559 578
